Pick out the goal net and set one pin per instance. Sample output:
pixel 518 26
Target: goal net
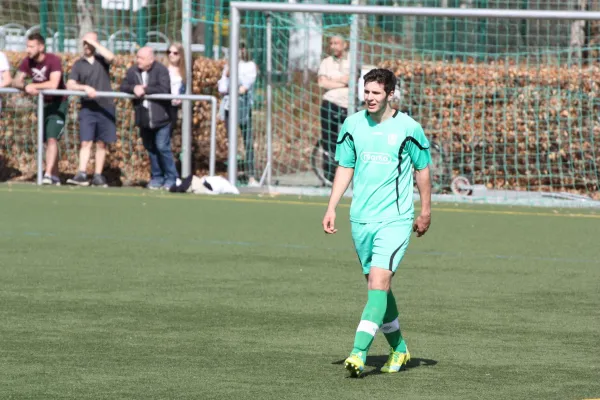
pixel 509 105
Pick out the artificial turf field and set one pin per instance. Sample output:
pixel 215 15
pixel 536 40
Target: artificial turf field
pixel 130 294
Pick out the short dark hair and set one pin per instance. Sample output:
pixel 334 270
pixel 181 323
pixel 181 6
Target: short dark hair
pixel 382 76
pixel 37 37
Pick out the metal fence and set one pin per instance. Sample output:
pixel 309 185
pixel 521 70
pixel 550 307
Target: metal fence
pixel 186 135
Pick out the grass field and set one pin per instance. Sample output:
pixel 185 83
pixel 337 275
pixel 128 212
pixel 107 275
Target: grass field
pixel 126 294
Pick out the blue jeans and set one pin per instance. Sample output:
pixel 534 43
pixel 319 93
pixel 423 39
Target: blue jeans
pixel 162 165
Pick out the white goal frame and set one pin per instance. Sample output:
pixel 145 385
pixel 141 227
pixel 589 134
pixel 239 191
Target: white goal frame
pixel 236 7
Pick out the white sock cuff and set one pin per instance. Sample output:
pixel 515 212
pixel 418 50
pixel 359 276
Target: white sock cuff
pixel 367 327
pixel 391 326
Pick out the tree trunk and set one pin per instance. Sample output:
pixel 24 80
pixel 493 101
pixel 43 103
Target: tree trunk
pixel 85 17
pixel 578 33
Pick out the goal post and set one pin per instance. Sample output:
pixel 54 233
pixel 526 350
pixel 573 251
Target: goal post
pixel 529 131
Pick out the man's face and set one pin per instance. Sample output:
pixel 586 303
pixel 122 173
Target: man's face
pixel 375 97
pixel 337 46
pixel 88 49
pixel 144 60
pixel 243 53
pixel 34 49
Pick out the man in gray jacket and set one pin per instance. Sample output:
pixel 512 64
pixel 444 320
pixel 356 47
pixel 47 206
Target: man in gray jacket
pixel 153 116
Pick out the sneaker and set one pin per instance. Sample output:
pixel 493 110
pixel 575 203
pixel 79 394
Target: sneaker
pixel 51 180
pixel 253 183
pixel 79 180
pixel 154 185
pixel 395 361
pixel 168 186
pixel 355 365
pixel 99 181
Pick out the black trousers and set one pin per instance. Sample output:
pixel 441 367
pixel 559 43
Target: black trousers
pixel 332 118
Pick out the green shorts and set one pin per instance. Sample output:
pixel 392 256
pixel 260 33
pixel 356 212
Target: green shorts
pixel 381 244
pixel 55 118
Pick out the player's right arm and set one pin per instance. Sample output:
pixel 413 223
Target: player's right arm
pixel 341 181
pixel 345 155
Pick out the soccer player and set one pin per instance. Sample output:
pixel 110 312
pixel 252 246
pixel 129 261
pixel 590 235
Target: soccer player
pixel 45 70
pixel 377 149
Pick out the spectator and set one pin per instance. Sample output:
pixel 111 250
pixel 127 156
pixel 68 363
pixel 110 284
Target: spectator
pixel 334 74
pixel 97 116
pixel 153 117
pixel 176 66
pixel 247 72
pixel 45 71
pixel 5 78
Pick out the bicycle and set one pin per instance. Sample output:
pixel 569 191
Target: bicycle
pixel 317 157
pixel 441 174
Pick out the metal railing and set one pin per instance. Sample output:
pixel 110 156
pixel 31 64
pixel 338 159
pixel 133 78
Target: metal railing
pixel 185 133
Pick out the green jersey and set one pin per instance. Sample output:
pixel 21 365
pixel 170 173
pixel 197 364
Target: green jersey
pixel 383 156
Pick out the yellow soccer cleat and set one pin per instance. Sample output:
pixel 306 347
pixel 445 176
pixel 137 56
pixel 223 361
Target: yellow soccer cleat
pixel 355 365
pixel 395 361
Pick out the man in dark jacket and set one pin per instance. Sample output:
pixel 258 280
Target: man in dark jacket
pixel 153 116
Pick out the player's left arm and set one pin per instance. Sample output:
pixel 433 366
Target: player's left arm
pixel 422 222
pixel 421 158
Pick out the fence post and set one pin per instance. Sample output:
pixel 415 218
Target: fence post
pixel 186 120
pixel 44 18
pixel 209 29
pixel 234 41
pixel 142 26
pixel 40 141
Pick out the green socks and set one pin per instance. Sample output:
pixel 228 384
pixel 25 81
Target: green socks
pixel 391 326
pixel 372 318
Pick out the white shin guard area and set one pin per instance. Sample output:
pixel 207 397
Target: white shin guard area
pixel 368 327
pixel 390 326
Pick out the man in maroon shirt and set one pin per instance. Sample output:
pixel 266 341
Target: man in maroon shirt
pixel 45 71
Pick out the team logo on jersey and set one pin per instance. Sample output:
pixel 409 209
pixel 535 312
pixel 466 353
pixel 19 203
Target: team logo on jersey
pixel 38 75
pixel 392 139
pixel 377 158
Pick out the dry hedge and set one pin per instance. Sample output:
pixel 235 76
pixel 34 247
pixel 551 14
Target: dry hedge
pixel 504 125
pixel 127 161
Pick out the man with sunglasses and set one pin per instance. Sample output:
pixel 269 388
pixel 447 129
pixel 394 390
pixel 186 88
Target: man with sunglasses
pixel 97 116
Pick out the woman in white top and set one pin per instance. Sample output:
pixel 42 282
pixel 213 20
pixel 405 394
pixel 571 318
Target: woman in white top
pixel 5 78
pixel 247 72
pixel 176 66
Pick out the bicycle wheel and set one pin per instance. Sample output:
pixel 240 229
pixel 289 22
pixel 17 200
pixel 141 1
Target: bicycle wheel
pixel 461 186
pixel 317 157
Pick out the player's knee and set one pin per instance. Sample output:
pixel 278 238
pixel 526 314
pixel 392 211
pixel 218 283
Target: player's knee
pixel 379 279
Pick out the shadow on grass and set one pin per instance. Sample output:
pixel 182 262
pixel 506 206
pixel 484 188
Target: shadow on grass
pixel 378 361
